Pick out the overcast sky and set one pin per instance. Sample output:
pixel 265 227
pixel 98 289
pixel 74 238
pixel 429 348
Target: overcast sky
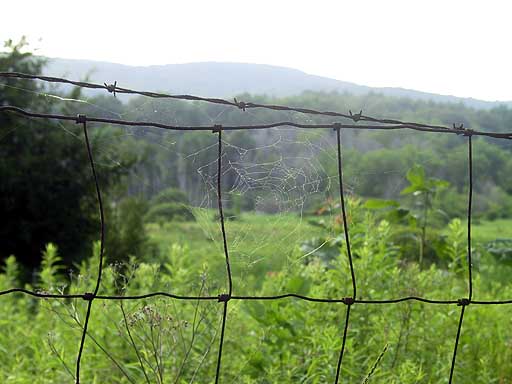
pixel 460 48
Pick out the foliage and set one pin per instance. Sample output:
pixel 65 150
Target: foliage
pixel 171 204
pixel 170 195
pixel 164 340
pixel 455 249
pixel 126 233
pixel 424 190
pixel 49 203
pixel 165 212
pixel 47 193
pixel 501 249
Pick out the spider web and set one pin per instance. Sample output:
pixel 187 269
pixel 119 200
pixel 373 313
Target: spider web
pixel 274 183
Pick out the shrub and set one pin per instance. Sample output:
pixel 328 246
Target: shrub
pixel 169 212
pixel 170 195
pixel 126 234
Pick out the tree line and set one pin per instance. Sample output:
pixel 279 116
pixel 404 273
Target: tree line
pixel 47 193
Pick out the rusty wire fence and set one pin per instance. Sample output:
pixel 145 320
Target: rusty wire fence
pixel 357 121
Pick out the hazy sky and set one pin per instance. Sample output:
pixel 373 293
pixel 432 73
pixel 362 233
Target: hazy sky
pixel 461 48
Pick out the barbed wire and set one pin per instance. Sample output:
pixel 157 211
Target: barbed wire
pixel 242 105
pixel 224 298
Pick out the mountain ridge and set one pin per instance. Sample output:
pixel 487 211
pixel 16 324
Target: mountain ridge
pixel 226 79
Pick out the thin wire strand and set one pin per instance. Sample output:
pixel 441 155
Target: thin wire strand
pixel 44 295
pixel 454 357
pixel 349 253
pixel 221 213
pixel 344 215
pixel 102 240
pixel 82 341
pixel 254 298
pixel 224 298
pixel 470 203
pixel 345 330
pixel 281 124
pixel 221 343
pixel 466 302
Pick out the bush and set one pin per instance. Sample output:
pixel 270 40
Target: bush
pixel 169 212
pixel 170 195
pixel 126 235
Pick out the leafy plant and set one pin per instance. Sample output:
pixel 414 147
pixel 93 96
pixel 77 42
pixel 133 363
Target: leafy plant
pixel 423 190
pixel 455 249
pixel 126 232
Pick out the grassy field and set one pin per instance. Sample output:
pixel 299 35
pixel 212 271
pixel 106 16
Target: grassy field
pixel 255 238
pixel 485 231
pixel 258 244
pixel 287 341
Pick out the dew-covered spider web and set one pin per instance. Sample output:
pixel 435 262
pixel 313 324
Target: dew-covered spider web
pixel 284 231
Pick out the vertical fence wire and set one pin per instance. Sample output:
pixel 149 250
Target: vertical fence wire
pixel 344 214
pixel 347 301
pixel 81 119
pixel 466 301
pixel 344 340
pixel 223 297
pixel 470 204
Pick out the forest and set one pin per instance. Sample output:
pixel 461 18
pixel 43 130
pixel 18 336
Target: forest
pixel 407 212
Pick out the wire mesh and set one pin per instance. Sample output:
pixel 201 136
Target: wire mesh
pixel 225 297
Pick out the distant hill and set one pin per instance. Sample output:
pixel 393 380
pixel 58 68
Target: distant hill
pixel 213 79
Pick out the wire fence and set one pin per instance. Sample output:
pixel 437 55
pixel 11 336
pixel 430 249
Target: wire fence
pixel 225 297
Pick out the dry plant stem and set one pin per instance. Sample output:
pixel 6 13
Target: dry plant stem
pixel 56 353
pixel 103 349
pixel 375 365
pixel 133 343
pixel 194 331
pixel 404 330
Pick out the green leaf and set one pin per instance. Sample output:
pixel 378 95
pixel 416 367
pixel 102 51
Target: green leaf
pixel 257 311
pixel 410 190
pixel 416 176
pixel 397 215
pixel 438 184
pixel 380 204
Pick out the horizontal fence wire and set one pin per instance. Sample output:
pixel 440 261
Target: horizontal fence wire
pixel 380 123
pixel 253 127
pixel 113 88
pixel 224 298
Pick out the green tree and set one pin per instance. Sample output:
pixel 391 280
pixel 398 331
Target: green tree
pixel 47 193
